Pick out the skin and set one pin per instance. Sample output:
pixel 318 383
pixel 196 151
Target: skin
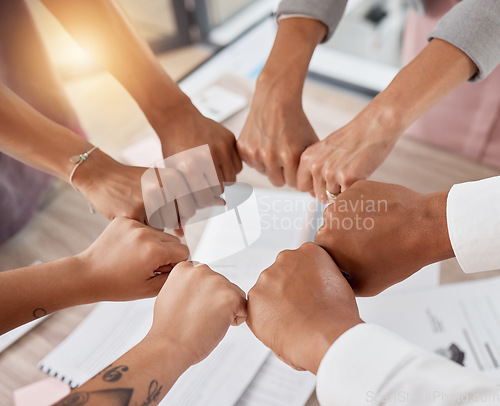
pixel 37 83
pixel 301 305
pixel 354 152
pixel 277 131
pixel 134 268
pixel 192 314
pixel 34 138
pixel 114 189
pixel 103 29
pixel 380 234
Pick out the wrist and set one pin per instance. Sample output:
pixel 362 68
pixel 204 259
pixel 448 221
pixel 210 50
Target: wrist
pixel 325 337
pixel 177 356
pixel 385 119
pixel 73 280
pixel 286 68
pixel 161 110
pixel 91 172
pixel 436 236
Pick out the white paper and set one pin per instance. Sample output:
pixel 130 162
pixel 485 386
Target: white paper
pixel 108 332
pixel 277 384
pixel 221 378
pixel 465 315
pixel 285 219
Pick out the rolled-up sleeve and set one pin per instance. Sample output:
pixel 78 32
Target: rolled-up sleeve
pixel 329 12
pixel 473 216
pixel 473 26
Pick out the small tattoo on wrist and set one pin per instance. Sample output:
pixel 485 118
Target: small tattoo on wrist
pixel 39 312
pixel 115 374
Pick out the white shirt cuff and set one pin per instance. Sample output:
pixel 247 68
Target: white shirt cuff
pixel 473 216
pixel 356 366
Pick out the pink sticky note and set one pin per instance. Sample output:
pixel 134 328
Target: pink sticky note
pixel 42 393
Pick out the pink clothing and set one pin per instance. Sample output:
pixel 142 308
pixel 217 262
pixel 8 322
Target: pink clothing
pixel 468 120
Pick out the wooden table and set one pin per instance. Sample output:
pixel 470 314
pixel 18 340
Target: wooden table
pixel 64 226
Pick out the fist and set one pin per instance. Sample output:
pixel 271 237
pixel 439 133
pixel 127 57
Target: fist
pixel 301 305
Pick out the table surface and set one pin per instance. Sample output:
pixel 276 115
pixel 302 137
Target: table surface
pixel 64 226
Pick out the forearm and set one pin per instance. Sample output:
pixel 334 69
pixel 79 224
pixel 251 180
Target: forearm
pixel 432 75
pixel 104 30
pixel 30 73
pixel 30 293
pixel 287 65
pixel 35 140
pixel 143 376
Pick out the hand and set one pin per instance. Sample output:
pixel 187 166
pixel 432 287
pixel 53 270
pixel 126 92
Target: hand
pixel 121 263
pixel 352 153
pixel 300 306
pixel 113 189
pixel 381 234
pixel 184 127
pixel 117 190
pixel 275 135
pixel 195 309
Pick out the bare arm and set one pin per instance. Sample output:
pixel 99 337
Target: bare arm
pixel 277 131
pixel 193 312
pixel 356 150
pixel 110 269
pixel 103 29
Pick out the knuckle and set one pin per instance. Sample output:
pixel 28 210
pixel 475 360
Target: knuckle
pixel 316 169
pixel 346 178
pixel 289 158
pixel 284 256
pixel 268 155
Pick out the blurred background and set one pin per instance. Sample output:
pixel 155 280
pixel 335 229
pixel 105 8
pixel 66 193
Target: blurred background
pixel 371 31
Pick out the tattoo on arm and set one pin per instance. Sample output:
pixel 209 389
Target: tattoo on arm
pixel 153 393
pixel 114 374
pixel 108 397
pixel 39 312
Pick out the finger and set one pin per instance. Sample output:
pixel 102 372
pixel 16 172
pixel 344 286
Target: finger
pixel 227 169
pixel 159 281
pixel 237 163
pixel 162 270
pixel 174 253
pixel 240 312
pixel 334 188
pixel 275 175
pixel 304 177
pixel 168 238
pixel 252 158
pixel 290 172
pixel 320 188
pixel 186 207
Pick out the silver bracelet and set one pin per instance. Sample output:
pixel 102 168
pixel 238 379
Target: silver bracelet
pixel 78 160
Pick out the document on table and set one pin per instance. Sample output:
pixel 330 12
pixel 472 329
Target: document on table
pixel 460 321
pixel 277 384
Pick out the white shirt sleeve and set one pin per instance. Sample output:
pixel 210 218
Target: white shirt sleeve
pixel 473 216
pixel 369 365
